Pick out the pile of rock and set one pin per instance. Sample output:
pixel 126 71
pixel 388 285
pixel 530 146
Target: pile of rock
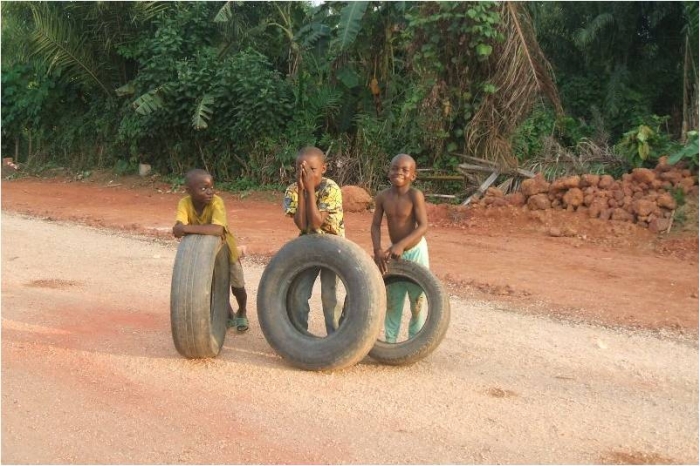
pixel 644 196
pixel 9 166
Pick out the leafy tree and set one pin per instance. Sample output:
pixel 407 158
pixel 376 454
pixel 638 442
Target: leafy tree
pixel 238 87
pixel 621 60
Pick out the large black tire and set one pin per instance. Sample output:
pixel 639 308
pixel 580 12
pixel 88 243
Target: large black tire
pixel 437 321
pixel 199 296
pixel 365 304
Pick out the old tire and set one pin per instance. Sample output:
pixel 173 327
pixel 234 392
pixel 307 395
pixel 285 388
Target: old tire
pixel 364 307
pixel 199 296
pixel 436 324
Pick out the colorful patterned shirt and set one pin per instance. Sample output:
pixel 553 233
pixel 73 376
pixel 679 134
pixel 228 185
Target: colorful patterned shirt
pixel 213 214
pixel 329 199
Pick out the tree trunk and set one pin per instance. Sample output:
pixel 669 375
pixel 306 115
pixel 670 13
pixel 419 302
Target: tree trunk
pixel 16 160
pixel 684 125
pixel 29 149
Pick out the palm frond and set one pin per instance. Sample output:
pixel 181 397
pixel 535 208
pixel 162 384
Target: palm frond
pixel 350 23
pixel 310 33
pixel 615 88
pixel 583 37
pixel 150 101
pixel 236 32
pixel 203 112
pixel 146 11
pixel 147 103
pixel 16 26
pixel 690 12
pixel 61 48
pixel 224 14
pixel 317 105
pixel 126 89
pixel 325 101
pixel 521 75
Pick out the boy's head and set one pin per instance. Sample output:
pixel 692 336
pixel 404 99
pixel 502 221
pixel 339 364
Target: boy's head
pixel 314 160
pixel 200 185
pixel 402 170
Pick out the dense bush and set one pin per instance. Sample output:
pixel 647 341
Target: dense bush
pixel 238 88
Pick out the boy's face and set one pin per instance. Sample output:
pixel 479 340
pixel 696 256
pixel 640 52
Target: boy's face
pixel 313 164
pixel 402 171
pixel 201 188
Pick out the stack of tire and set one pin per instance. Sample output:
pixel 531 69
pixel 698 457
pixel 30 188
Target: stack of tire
pixel 199 306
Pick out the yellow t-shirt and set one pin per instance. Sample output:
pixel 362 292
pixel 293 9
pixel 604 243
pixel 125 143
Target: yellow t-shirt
pixel 213 214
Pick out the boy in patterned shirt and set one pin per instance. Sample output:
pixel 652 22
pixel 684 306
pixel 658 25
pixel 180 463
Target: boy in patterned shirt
pixel 203 213
pixel 316 205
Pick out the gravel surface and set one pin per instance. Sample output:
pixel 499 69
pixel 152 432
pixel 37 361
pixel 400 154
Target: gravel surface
pixel 90 375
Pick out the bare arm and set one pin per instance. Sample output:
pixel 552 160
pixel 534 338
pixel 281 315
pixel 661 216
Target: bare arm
pixel 421 215
pixel 314 217
pixel 380 257
pixel 180 230
pixel 300 214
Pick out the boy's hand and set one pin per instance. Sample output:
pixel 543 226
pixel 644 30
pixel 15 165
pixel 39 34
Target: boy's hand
pixel 179 230
pixel 380 258
pixel 307 177
pixel 395 251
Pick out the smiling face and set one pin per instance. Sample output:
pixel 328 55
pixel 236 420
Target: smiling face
pixel 201 187
pixel 314 163
pixel 402 171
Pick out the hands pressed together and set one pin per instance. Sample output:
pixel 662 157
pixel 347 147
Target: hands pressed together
pixel 305 178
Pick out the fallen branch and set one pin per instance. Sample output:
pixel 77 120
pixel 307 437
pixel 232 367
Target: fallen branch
pixel 441 178
pixel 484 186
pixel 670 223
pixel 466 167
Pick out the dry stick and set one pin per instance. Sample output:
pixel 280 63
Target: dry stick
pixel 444 196
pixel 203 160
pixel 240 160
pixel 670 224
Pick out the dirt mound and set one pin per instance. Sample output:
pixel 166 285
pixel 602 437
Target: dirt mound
pixel 355 199
pixel 446 214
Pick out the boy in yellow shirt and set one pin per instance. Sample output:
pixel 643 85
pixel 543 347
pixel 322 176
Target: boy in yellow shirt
pixel 203 213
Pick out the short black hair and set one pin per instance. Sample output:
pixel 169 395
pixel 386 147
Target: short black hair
pixel 312 151
pixel 406 156
pixel 194 173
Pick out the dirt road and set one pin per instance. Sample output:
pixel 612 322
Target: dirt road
pixel 90 375
pixel 613 273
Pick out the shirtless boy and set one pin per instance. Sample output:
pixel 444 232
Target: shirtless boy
pixel 407 221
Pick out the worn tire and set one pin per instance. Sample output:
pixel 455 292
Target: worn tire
pixel 199 296
pixel 364 307
pixel 436 324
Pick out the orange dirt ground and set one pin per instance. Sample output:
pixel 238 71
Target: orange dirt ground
pixel 603 272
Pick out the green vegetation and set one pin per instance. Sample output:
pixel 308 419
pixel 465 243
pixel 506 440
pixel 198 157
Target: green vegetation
pixel 238 87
